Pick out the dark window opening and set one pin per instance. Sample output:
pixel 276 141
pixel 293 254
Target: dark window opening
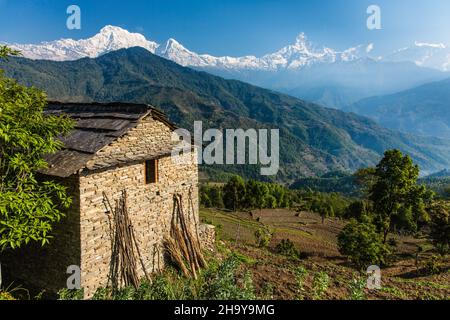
pixel 151 171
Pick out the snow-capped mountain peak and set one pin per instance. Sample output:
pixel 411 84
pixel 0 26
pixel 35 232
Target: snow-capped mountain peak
pixel 424 54
pixel 430 45
pixel 297 55
pixel 110 38
pixel 176 52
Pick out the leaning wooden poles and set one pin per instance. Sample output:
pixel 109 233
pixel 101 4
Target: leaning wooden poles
pixel 182 245
pixel 125 249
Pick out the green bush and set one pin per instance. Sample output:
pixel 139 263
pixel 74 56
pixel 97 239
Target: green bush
pixel 67 294
pixel 225 284
pixel 440 227
pixel 320 284
pixel 287 248
pixel 432 265
pixel 263 237
pixel 357 287
pixel 300 276
pixel 362 244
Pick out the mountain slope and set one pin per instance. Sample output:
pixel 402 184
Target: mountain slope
pixel 331 77
pixel 313 139
pixel 423 110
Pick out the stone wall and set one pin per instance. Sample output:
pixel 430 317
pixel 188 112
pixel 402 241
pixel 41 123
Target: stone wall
pixel 83 238
pixel 207 234
pixel 149 205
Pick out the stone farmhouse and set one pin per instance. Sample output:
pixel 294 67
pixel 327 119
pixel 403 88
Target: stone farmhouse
pixel 114 147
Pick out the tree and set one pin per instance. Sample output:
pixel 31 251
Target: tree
pixel 447 192
pixel 357 210
pixel 440 227
pixel 29 207
pixel 365 178
pixel 204 197
pixel 397 199
pixel 215 195
pixel 234 193
pixel 251 194
pixel 361 243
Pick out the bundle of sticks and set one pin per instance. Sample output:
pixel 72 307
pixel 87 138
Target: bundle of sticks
pixel 182 245
pixel 123 267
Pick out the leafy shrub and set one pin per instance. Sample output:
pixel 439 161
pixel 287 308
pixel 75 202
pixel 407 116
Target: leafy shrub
pixel 287 248
pixel 102 294
pixel 440 227
pixel 300 275
pixel 432 265
pixel 263 237
pixel 357 210
pixel 362 244
pixel 6 296
pixel 267 291
pixel 320 284
pixel 67 294
pixel 357 289
pixel 224 283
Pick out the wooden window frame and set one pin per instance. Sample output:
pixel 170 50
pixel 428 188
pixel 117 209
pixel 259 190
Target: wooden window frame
pixel 151 171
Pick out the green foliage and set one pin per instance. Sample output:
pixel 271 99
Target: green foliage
pixel 300 276
pixel 362 244
pixel 28 207
pixel 326 204
pixel 365 178
pixel 67 294
pixel 398 202
pixel 359 210
pixel 447 192
pixel 224 283
pixel 6 296
pixel 256 194
pixel 221 281
pixel 238 194
pixel 211 196
pixel 320 285
pixel 357 287
pixel 263 237
pixel 438 184
pixel 267 291
pixel 234 193
pixel 287 248
pixel 433 265
pixel 339 182
pixel 440 227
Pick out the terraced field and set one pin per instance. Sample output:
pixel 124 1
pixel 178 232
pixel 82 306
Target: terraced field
pixel 401 279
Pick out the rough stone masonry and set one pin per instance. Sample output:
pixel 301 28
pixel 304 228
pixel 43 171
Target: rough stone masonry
pixel 132 136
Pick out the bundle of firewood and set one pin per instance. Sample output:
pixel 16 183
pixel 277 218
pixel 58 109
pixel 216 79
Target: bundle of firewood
pixel 125 250
pixel 183 245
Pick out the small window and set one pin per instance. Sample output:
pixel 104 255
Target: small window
pixel 151 171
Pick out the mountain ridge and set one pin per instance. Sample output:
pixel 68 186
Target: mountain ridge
pixel 314 139
pixel 423 110
pixel 299 54
pixel 330 77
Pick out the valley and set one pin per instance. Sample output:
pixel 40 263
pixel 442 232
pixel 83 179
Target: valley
pixel 313 140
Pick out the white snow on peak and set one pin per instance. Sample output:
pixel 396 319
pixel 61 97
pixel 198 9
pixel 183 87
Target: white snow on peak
pixel 301 53
pixel 423 54
pixel 110 38
pixel 430 45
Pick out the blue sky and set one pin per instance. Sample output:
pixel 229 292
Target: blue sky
pixel 234 27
